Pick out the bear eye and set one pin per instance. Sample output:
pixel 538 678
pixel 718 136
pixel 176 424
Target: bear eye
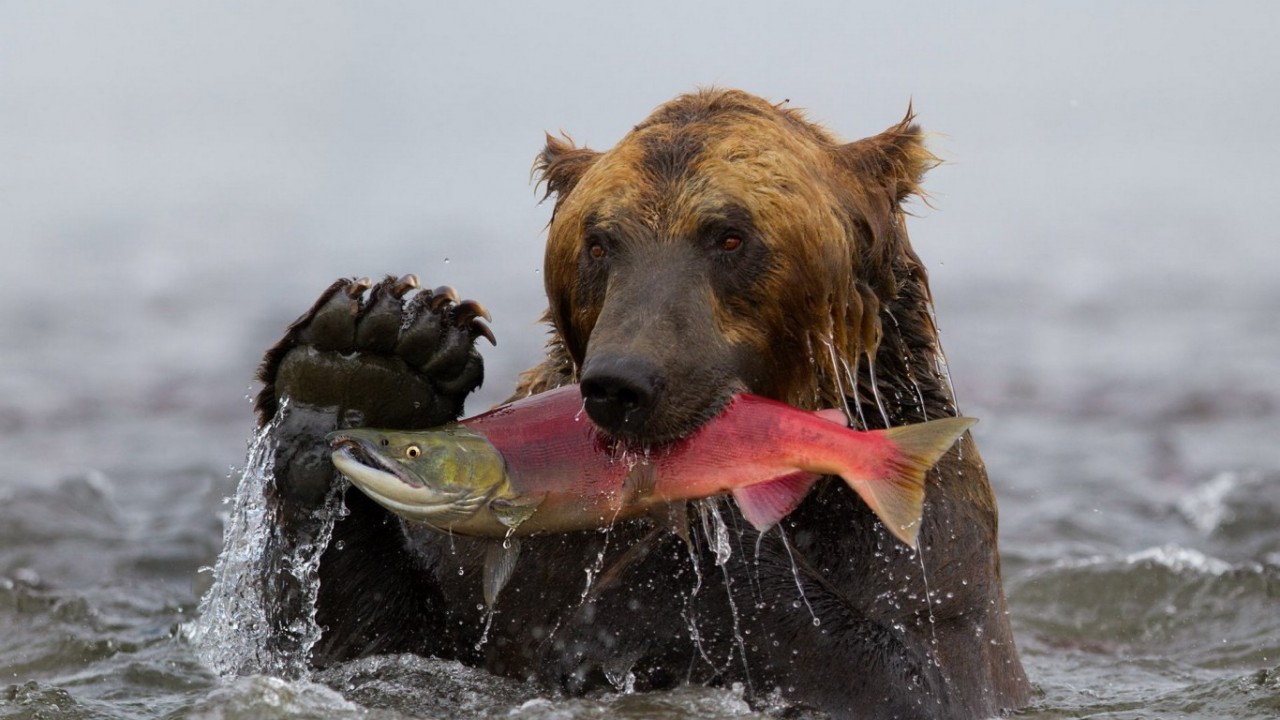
pixel 730 242
pixel 596 250
pixel 413 451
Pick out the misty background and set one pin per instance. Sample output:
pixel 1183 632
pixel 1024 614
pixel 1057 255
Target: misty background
pixel 179 180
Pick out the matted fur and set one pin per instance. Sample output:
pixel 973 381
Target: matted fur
pixel 834 208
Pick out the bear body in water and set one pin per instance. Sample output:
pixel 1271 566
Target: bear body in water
pixel 725 244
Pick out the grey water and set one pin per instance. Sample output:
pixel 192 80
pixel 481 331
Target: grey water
pixel 178 181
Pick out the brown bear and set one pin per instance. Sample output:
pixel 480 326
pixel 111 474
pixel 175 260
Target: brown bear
pixel 726 244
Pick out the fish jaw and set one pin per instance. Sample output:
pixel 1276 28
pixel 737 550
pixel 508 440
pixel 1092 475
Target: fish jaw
pixel 398 491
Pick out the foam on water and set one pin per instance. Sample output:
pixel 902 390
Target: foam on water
pixel 1171 557
pixel 1206 507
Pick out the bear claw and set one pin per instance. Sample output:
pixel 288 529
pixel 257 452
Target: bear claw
pixel 443 296
pixel 404 285
pixel 361 335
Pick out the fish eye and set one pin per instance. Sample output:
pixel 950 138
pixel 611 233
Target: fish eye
pixel 413 451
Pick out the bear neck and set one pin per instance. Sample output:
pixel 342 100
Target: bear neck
pixel 890 368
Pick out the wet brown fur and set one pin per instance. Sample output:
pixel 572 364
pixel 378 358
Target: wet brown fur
pixel 832 210
pixel 840 313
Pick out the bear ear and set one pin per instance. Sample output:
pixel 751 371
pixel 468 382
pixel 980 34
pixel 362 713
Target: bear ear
pixel 561 164
pixel 892 163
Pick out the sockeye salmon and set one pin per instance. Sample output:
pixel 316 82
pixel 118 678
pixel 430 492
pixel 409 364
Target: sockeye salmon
pixel 540 466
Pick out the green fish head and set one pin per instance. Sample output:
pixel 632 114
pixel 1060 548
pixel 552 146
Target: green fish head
pixel 438 477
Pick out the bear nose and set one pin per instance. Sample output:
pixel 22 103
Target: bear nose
pixel 620 393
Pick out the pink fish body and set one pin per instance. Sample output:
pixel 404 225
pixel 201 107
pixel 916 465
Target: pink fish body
pixel 539 465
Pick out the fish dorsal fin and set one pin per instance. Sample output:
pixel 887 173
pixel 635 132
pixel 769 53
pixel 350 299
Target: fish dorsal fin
pixel 765 504
pixel 835 415
pixel 511 512
pixel 499 564
pixel 673 516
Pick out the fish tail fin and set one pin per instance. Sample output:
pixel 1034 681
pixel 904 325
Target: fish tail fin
pixel 897 494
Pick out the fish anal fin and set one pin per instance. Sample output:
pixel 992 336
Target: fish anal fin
pixel 897 495
pixel 763 505
pixel 499 565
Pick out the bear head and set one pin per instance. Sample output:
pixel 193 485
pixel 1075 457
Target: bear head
pixel 725 244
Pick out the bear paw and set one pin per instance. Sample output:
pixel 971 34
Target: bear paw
pixel 381 355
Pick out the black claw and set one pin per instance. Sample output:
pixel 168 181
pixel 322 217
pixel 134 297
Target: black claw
pixel 379 343
pixel 483 331
pixel 404 285
pixel 358 287
pixel 469 310
pixel 443 296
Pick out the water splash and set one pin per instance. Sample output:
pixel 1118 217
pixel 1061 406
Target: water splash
pixel 234 634
pixel 795 574
pixel 488 623
pixel 928 600
pixel 835 374
pixel 1206 507
pixel 941 366
pixel 597 566
pixel 851 374
pixel 875 391
pixel 717 532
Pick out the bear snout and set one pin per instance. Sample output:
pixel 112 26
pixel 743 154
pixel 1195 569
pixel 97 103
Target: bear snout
pixel 620 392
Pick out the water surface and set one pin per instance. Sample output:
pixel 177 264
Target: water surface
pixel 178 185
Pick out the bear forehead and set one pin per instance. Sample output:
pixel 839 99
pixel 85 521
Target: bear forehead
pixel 676 171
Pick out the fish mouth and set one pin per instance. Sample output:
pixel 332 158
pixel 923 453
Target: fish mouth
pixel 394 489
pixel 354 450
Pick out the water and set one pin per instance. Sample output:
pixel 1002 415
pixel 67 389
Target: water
pixel 1102 245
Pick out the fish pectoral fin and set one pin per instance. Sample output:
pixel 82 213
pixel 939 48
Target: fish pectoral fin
pixel 765 504
pixel 499 564
pixel 639 483
pixel 834 415
pixel 673 516
pixel 511 512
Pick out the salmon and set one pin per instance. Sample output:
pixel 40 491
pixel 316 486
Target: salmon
pixel 540 466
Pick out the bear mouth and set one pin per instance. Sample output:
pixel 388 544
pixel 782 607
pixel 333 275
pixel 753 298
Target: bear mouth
pixel 666 428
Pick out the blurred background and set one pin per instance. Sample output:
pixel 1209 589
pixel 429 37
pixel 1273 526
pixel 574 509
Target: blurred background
pixel 179 180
